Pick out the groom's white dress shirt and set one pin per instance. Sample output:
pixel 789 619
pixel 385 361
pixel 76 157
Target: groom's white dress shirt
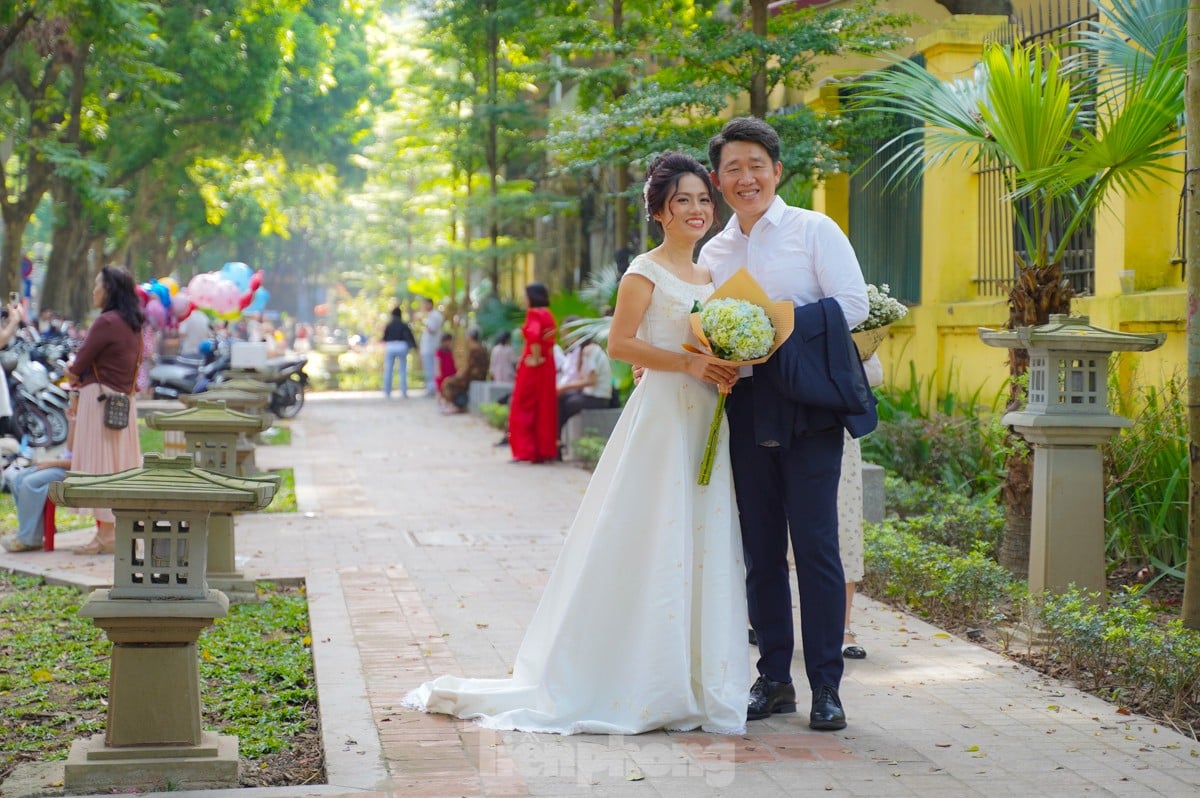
pixel 794 254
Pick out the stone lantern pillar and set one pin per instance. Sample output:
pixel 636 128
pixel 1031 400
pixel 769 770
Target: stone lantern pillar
pixel 241 402
pixel 1066 419
pixel 332 351
pixel 153 614
pixel 212 432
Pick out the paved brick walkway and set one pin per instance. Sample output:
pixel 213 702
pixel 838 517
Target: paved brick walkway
pixel 425 552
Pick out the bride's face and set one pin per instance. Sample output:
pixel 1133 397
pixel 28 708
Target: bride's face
pixel 689 212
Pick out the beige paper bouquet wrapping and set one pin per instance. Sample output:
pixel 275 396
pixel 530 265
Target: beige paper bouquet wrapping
pixel 883 310
pixel 739 325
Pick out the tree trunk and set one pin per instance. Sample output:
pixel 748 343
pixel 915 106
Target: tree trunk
pixel 758 82
pixel 10 253
pixel 1191 585
pixel 493 210
pixel 621 242
pixel 1038 293
pixel 70 240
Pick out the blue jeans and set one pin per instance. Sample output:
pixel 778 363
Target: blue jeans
pixel 29 491
pixel 429 366
pixel 395 353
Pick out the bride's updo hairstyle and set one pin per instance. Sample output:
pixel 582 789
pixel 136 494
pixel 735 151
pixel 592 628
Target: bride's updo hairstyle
pixel 662 180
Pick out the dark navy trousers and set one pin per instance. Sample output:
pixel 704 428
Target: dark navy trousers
pixel 780 490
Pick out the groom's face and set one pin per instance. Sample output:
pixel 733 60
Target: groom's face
pixel 747 178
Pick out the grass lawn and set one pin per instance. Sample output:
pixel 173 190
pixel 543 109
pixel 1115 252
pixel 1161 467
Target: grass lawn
pixel 255 668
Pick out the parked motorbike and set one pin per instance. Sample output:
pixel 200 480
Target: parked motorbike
pixel 39 405
pixel 173 376
pixel 291 382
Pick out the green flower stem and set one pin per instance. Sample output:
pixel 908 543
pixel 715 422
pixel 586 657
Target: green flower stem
pixel 710 448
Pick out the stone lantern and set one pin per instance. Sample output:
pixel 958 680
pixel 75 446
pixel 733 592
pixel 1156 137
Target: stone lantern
pixel 153 614
pixel 247 383
pixel 212 432
pixel 1066 419
pixel 241 402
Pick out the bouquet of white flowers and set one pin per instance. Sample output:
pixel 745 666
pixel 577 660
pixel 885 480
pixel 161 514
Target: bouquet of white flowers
pixel 738 325
pixel 736 329
pixel 883 310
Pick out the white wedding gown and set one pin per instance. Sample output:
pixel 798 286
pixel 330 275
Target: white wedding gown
pixel 643 623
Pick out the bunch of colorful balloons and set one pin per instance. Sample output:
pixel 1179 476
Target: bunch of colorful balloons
pixel 223 295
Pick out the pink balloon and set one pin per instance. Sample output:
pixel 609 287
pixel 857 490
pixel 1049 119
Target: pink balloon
pixel 181 304
pixel 225 297
pixel 156 313
pixel 201 289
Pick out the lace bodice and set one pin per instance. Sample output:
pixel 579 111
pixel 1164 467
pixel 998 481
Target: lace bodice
pixel 665 324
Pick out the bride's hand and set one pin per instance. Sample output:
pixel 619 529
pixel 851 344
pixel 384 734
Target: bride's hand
pixel 717 374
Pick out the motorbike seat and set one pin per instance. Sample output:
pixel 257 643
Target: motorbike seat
pixel 184 360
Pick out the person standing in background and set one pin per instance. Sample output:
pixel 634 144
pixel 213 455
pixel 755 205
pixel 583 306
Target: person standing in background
pixel 533 409
pixel 502 366
pixel 397 340
pixel 431 338
pixel 107 362
pixel 193 331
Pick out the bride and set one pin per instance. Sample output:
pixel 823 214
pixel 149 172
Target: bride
pixel 643 622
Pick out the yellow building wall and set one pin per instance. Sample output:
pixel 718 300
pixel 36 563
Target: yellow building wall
pixel 938 341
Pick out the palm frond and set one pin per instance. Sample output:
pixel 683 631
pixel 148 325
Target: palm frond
pixel 1134 34
pixel 600 288
pixel 949 111
pixel 586 330
pixel 1030 111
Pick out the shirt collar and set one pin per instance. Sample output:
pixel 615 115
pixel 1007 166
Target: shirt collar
pixel 773 214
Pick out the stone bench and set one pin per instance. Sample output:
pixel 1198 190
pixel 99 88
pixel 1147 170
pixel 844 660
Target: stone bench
pixel 872 477
pixel 481 392
pixel 591 422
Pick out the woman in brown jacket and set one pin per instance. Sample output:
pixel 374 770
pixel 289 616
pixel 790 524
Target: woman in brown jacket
pixel 106 363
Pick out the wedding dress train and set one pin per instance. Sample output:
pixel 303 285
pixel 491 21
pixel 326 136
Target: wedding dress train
pixel 642 624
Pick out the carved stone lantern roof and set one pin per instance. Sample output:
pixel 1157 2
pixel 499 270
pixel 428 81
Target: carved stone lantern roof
pixel 208 416
pixel 231 396
pixel 164 484
pixel 1071 333
pixel 247 384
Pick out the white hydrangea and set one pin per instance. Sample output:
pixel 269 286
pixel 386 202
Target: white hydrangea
pixel 737 329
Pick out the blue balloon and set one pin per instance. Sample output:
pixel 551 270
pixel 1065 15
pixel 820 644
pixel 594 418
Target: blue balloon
pixel 239 274
pixel 161 293
pixel 259 302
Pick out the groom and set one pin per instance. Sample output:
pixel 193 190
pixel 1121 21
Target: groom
pixel 787 485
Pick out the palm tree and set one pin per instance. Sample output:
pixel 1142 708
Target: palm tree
pixel 1063 146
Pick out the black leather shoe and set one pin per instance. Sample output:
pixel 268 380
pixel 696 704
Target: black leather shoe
pixel 770 698
pixel 827 713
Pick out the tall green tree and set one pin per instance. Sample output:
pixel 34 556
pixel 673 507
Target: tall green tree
pixel 714 57
pixel 482 62
pixel 46 107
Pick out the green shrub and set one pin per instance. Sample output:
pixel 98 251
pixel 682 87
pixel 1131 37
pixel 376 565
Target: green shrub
pixel 904 498
pixel 1146 467
pixel 937 581
pixel 1125 651
pixel 957 445
pixel 960 522
pixel 588 448
pixel 495 414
